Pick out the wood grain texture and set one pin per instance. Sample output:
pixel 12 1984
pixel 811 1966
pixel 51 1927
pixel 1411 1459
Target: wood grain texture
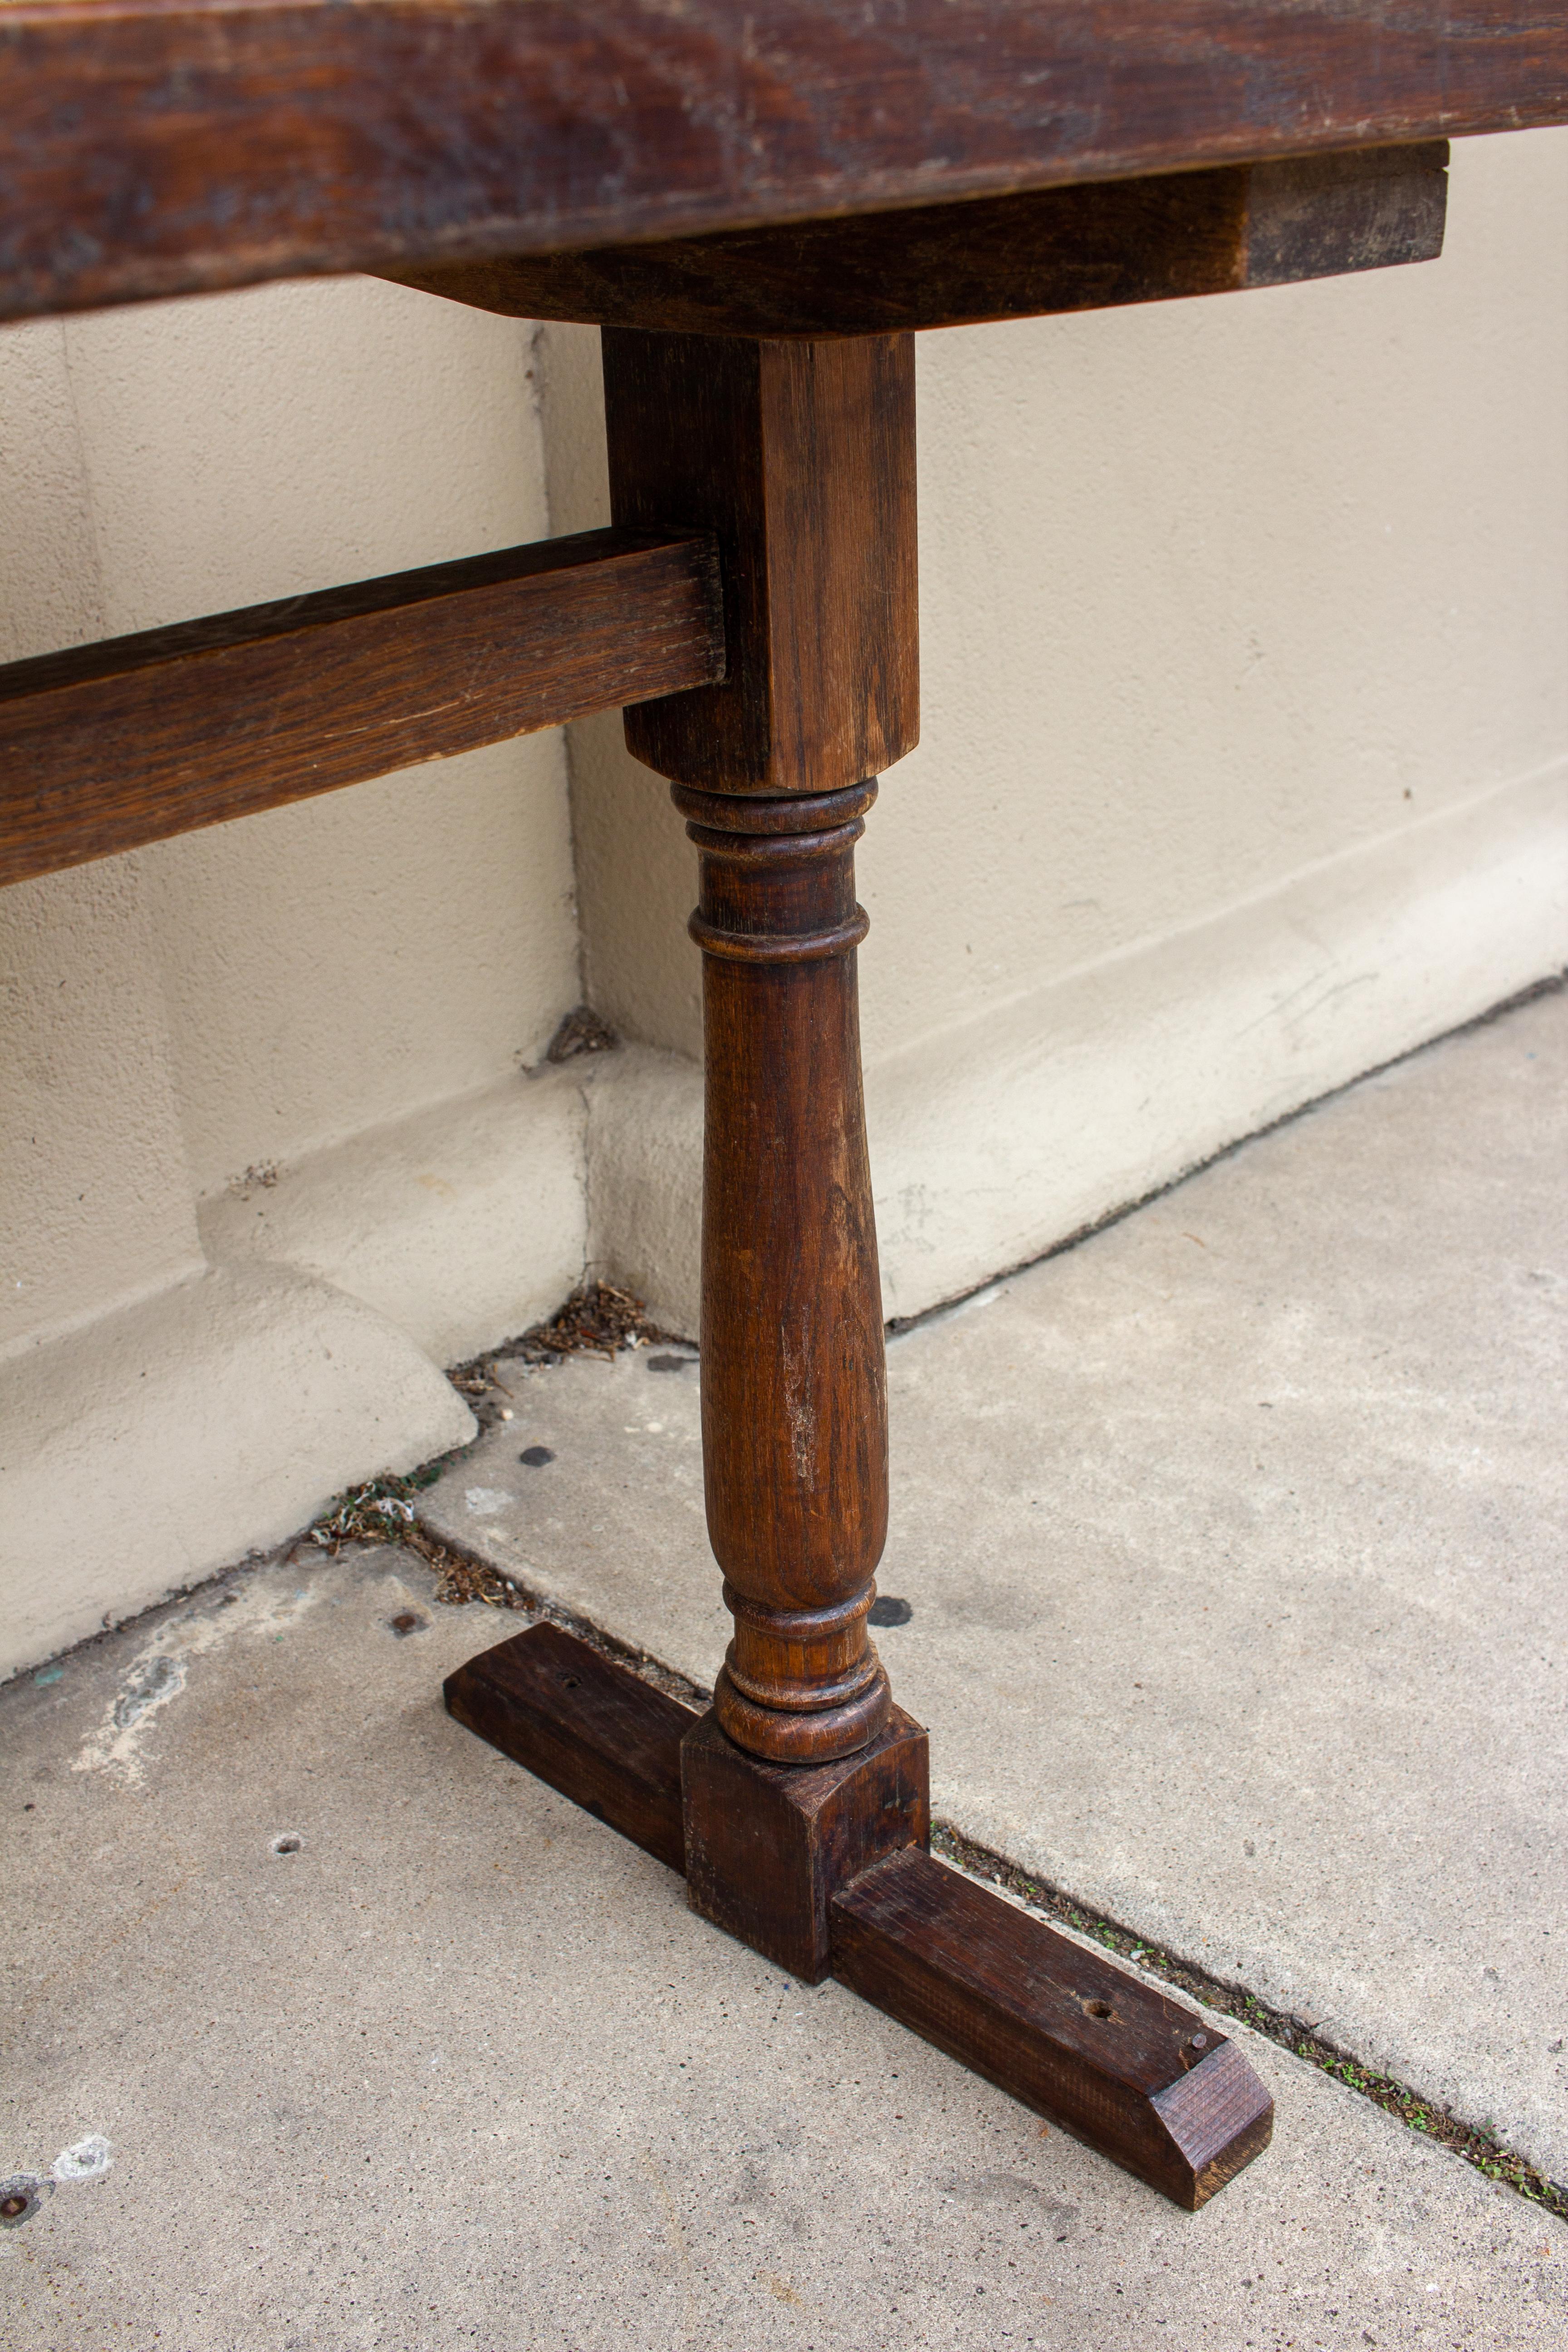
pixel 800 457
pixel 591 1729
pixel 157 147
pixel 825 1869
pixel 1122 2066
pixel 110 746
pixel 768 1845
pixel 1046 251
pixel 795 1413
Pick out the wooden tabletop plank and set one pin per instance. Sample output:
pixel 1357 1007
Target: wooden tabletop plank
pixel 158 147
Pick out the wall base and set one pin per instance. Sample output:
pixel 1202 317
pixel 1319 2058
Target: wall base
pixel 146 1452
pixel 995 1140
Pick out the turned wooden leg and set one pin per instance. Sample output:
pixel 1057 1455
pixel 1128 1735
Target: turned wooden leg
pixel 798 1806
pixel 800 457
pixel 795 1410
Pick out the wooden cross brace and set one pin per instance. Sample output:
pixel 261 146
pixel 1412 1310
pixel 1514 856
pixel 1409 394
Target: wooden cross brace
pixel 754 609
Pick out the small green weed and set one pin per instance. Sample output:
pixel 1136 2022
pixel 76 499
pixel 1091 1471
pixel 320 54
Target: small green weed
pixel 1479 2146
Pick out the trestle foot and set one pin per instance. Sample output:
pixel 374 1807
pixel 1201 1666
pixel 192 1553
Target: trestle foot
pixel 824 1869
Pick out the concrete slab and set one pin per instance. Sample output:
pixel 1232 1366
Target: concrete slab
pixel 460 2068
pixel 1234 1539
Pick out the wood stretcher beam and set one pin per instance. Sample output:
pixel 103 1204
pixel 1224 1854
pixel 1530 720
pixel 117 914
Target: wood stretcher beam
pixel 110 746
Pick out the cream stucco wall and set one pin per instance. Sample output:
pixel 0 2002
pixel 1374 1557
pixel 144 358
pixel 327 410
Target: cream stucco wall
pixel 1244 765
pixel 290 993
pixel 1245 739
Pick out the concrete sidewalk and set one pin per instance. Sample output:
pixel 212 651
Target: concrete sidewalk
pixel 462 2069
pixel 1233 1541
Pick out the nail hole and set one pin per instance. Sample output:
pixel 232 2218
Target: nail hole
pixel 568 1682
pixel 536 1456
pixel 406 1622
pixel 888 1611
pixel 1097 2009
pixel 289 1842
pixel 20 2198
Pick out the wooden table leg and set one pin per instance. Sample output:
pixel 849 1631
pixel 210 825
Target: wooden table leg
pixel 804 1794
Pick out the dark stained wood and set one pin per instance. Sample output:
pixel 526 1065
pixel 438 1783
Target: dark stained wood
pixel 824 1869
pixel 1123 2066
pixel 1052 250
pixel 109 746
pixel 768 1845
pixel 170 146
pixel 794 1414
pixel 591 1729
pixel 800 457
pixel 1331 216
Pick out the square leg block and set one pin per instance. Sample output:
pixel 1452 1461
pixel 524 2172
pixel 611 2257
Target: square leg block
pixel 768 1845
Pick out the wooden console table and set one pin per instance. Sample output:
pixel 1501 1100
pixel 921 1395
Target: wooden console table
pixel 759 206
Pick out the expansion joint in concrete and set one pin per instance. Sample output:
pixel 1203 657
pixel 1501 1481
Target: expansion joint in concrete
pixel 1475 2144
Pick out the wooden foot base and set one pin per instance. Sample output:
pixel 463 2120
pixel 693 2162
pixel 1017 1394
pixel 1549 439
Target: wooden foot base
pixel 825 1869
pixel 1121 2065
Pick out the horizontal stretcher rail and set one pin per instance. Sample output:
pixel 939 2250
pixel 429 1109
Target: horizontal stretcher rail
pixel 106 747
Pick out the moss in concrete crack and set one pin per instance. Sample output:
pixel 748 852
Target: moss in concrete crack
pixel 381 1511
pixel 1478 2146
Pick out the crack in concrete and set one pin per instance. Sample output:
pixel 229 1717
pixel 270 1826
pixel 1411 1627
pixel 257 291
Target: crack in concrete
pixel 1482 2148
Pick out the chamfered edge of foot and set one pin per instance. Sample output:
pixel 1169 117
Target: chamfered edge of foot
pixel 1219 2118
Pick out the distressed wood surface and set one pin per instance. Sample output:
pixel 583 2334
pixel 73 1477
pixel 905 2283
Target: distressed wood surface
pixel 158 147
pixel 588 1726
pixel 795 1408
pixel 1124 2066
pixel 800 457
pixel 823 1868
pixel 110 746
pixel 769 1845
pixel 1050 249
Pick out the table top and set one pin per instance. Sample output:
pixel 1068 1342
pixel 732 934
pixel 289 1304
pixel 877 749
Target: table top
pixel 158 147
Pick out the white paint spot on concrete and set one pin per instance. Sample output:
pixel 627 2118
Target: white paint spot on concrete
pixel 88 2159
pixel 484 1502
pixel 158 1672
